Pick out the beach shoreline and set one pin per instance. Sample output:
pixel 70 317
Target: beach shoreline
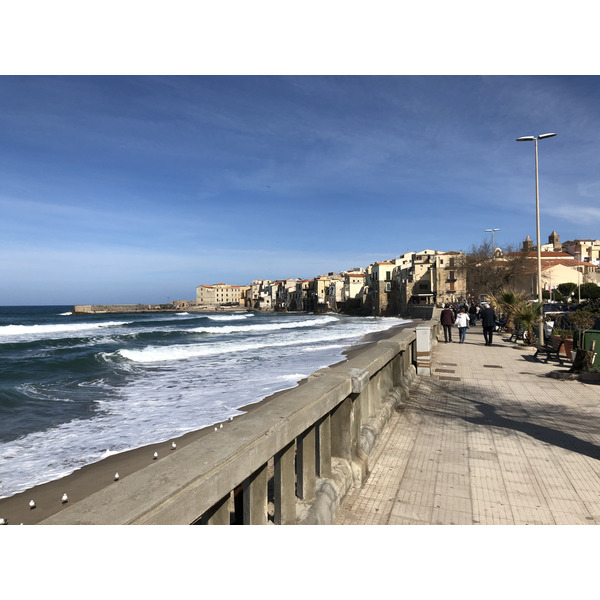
pixel 95 476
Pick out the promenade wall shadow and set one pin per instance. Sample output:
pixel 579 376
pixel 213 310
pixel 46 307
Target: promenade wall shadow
pixel 533 426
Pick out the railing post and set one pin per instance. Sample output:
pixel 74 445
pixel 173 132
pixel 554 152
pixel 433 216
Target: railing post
pixel 423 350
pixel 255 498
pixel 324 447
pixel 306 465
pixel 341 432
pixel 217 514
pixel 285 486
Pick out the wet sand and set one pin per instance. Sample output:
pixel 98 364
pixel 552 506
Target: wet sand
pixel 96 476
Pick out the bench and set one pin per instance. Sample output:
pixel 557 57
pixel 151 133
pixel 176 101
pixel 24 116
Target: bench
pixel 517 334
pixel 551 348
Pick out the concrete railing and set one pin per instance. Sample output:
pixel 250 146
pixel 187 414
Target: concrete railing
pixel 289 461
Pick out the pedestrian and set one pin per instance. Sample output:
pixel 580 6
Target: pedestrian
pixel 473 314
pixel 488 321
pixel 447 320
pixel 462 322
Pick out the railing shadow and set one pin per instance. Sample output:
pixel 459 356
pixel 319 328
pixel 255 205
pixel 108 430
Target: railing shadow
pixel 549 435
pixel 489 416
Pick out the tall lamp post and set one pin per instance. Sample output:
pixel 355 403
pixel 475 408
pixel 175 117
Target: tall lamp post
pixel 578 255
pixel 492 230
pixel 529 138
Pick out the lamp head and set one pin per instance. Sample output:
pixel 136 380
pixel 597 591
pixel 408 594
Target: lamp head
pixel 527 138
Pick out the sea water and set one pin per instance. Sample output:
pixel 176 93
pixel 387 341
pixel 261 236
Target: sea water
pixel 77 388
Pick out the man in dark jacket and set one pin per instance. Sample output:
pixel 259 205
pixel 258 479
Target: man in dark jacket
pixel 488 321
pixel 473 314
pixel 447 320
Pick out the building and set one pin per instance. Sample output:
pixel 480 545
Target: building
pixel 429 277
pixel 377 288
pixel 584 250
pixel 557 268
pixel 220 294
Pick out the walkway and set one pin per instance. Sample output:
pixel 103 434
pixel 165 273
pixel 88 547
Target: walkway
pixel 488 439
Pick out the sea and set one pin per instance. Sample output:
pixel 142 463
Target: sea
pixel 75 389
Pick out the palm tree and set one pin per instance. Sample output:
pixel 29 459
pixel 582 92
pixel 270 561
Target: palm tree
pixel 529 314
pixel 508 301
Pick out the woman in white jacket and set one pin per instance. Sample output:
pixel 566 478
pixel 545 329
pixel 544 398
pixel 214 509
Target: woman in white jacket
pixel 462 322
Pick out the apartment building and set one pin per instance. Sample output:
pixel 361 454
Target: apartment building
pixel 429 277
pixel 377 288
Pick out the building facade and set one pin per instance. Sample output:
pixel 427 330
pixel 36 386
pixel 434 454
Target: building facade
pixel 220 294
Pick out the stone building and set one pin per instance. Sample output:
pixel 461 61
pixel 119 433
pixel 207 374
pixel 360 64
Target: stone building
pixel 377 289
pixel 429 277
pixel 220 294
pixel 557 268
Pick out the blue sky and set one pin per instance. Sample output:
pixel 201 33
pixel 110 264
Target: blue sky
pixel 126 189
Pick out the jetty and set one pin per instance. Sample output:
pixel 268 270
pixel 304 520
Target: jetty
pixel 99 309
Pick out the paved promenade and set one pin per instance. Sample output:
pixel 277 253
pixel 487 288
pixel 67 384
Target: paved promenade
pixel 487 439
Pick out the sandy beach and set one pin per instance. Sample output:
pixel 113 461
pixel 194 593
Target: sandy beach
pixel 96 476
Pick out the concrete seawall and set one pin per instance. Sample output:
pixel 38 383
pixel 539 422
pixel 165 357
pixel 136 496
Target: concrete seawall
pixel 290 461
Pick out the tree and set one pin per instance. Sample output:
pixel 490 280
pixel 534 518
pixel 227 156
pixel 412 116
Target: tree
pixel 490 275
pixel 590 290
pixel 529 313
pixel 508 302
pixel 567 289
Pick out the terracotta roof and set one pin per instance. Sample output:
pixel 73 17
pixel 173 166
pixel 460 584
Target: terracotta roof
pixel 550 255
pixel 549 264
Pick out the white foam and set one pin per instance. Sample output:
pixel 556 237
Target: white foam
pixel 263 327
pixel 177 352
pixel 232 317
pixel 50 331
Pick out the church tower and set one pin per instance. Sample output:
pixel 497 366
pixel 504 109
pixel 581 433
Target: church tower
pixel 528 244
pixel 554 239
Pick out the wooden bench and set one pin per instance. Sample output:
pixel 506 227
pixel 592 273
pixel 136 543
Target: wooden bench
pixel 551 348
pixel 517 334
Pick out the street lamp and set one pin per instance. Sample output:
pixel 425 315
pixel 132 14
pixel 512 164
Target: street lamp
pixel 492 230
pixel 529 138
pixel 578 255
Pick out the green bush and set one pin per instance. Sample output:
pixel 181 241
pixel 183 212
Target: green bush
pixel 590 291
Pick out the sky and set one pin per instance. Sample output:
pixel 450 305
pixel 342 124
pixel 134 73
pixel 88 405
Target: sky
pixel 121 188
pixel 127 189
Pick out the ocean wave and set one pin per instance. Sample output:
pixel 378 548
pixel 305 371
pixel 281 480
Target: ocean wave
pixel 176 352
pixel 18 331
pixel 263 326
pixel 232 317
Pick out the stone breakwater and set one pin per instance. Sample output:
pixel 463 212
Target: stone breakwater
pixel 99 309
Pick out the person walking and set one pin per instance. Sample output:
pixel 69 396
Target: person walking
pixel 447 320
pixel 473 314
pixel 488 321
pixel 462 322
